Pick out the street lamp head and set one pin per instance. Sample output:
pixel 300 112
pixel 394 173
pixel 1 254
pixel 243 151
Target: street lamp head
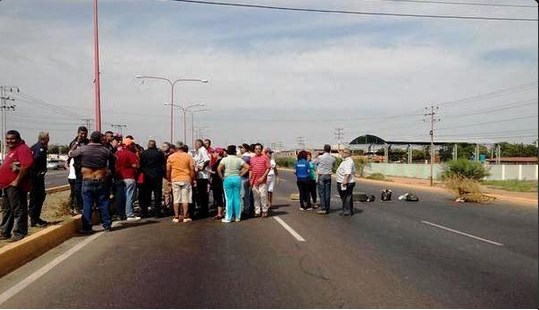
pixel 204 81
pixel 139 76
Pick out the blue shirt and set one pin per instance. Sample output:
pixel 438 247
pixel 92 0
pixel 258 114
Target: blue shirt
pixel 302 169
pixel 40 158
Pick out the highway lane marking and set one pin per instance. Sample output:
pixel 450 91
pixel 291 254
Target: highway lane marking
pixel 462 233
pixel 43 270
pixel 289 229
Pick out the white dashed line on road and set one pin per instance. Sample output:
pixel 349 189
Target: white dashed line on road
pixel 289 229
pixel 462 233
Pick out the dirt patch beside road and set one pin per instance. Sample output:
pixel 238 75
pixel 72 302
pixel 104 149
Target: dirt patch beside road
pixel 55 210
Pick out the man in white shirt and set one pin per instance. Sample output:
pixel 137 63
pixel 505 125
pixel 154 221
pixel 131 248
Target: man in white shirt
pixel 346 182
pixel 325 163
pixel 202 161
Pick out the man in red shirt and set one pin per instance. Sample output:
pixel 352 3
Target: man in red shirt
pixel 127 164
pixel 259 167
pixel 15 182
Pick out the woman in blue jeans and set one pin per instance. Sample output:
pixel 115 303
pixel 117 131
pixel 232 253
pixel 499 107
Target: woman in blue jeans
pixel 231 169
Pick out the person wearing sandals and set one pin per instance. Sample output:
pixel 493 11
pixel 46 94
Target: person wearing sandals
pixel 231 169
pixel 181 173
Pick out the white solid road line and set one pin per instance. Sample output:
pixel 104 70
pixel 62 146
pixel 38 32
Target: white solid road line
pixel 289 229
pixel 462 233
pixel 36 275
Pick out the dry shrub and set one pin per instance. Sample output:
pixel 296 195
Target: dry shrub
pixel 466 189
pixel 57 206
pixel 64 207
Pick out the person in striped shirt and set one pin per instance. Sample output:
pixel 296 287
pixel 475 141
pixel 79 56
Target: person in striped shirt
pixel 260 167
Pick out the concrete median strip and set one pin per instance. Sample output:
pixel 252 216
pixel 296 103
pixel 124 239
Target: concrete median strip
pixel 16 254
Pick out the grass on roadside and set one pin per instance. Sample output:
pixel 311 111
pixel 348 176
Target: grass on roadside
pixel 376 176
pixel 55 210
pixel 512 185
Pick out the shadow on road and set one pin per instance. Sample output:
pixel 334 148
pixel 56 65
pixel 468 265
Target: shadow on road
pixel 277 213
pixel 275 207
pixel 124 225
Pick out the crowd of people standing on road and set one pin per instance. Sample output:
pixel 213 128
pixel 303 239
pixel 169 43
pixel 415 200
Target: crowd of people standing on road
pixel 112 174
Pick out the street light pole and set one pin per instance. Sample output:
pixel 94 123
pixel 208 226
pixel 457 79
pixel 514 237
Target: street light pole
pixel 185 110
pixel 193 123
pixel 172 84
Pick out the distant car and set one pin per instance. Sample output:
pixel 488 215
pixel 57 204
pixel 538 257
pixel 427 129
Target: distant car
pixel 54 164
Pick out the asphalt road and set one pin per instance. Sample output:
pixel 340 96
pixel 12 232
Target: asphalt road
pixel 55 178
pixel 391 255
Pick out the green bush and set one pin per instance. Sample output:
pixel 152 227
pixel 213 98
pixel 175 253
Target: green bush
pixel 338 161
pixel 360 163
pixel 376 176
pixel 465 168
pixel 285 162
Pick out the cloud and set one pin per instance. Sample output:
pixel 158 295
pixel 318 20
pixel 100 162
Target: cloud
pixel 273 76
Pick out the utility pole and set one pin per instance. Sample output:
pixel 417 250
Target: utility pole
pixel 280 146
pixel 88 123
pixel 118 128
pixel 430 112
pixel 339 135
pixel 5 106
pixel 301 142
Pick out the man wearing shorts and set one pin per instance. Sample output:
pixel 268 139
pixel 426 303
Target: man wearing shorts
pixel 181 173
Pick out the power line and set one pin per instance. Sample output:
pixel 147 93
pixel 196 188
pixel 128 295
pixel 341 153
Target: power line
pixel 493 132
pixel 44 104
pixel 504 107
pixel 490 122
pixel 309 10
pixel 465 3
pixel 493 94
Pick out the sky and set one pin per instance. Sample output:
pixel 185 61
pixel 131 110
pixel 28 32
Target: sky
pixel 274 76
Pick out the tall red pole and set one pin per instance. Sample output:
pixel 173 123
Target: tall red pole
pixel 97 86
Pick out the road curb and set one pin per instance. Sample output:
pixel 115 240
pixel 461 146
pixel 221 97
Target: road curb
pixel 15 255
pixel 57 189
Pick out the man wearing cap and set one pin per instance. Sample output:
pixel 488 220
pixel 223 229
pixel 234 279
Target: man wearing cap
pixel 127 164
pixel 80 140
pixel 112 143
pixel 94 158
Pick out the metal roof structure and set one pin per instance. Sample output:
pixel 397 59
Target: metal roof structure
pixel 369 139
